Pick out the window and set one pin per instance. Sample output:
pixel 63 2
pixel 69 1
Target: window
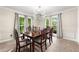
pixel 54 23
pixel 46 22
pixel 29 23
pixel 21 24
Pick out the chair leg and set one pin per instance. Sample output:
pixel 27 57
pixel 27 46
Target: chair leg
pixel 19 49
pixel 45 45
pixel 16 48
pixel 41 48
pixel 30 47
pixel 50 41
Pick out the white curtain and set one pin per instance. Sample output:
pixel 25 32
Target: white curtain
pixel 32 19
pixel 25 23
pixel 16 22
pixel 59 26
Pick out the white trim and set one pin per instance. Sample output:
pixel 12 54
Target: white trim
pixel 69 36
pixel 2 41
pixel 58 12
pixel 16 11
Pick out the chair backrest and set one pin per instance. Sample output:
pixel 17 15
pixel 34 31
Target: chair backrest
pixel 51 31
pixel 16 37
pixel 44 34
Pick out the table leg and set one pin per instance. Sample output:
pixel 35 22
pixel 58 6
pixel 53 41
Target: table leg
pixel 33 45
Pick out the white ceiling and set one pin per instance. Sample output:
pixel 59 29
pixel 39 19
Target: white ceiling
pixel 44 9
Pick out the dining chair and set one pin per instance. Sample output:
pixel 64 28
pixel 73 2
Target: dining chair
pixel 41 41
pixel 49 35
pixel 21 43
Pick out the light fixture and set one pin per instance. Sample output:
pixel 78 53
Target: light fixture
pixel 40 9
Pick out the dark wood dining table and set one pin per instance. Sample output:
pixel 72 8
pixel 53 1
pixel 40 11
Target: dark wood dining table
pixel 32 36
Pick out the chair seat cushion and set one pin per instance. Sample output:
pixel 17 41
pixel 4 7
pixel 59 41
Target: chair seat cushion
pixel 39 41
pixel 28 41
pixel 25 42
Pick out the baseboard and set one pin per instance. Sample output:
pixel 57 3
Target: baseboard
pixel 69 36
pixel 2 41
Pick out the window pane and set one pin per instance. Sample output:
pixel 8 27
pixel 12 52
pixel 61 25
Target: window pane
pixel 29 21
pixel 46 21
pixel 21 20
pixel 21 29
pixel 54 24
pixel 21 24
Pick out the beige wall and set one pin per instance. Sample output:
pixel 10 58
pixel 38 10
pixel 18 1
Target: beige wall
pixel 6 24
pixel 77 24
pixel 69 24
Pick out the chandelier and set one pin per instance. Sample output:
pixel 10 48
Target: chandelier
pixel 40 9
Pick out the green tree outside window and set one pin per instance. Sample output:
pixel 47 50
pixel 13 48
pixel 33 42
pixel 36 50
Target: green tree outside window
pixel 47 22
pixel 54 24
pixel 21 24
pixel 29 23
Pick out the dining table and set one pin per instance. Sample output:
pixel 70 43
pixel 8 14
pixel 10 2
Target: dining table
pixel 34 35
